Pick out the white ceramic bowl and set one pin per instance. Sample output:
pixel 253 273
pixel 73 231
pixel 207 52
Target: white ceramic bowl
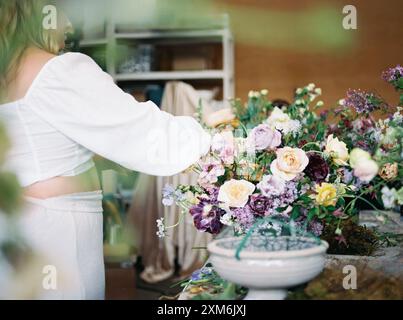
pixel 268 270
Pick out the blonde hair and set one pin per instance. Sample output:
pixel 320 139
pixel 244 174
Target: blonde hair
pixel 21 26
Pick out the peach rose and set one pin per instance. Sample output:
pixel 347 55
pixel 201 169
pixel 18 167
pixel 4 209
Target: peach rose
pixel 389 171
pixel 235 193
pixel 289 163
pixel 223 116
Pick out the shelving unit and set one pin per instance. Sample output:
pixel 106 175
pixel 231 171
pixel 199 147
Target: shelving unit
pixel 221 36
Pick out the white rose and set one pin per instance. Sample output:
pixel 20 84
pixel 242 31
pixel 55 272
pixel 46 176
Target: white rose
pixel 282 121
pixel 337 150
pixel 235 193
pixel 366 170
pixel 358 155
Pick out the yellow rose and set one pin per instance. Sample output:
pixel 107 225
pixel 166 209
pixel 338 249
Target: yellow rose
pixel 337 150
pixel 289 163
pixel 235 193
pixel 326 194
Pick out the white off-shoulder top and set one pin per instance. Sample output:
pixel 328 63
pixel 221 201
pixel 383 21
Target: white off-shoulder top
pixel 73 109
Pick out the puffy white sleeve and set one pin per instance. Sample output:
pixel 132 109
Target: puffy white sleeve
pixel 80 100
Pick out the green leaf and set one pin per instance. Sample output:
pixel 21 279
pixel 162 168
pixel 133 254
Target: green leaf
pixel 400 83
pixel 312 213
pixel 295 212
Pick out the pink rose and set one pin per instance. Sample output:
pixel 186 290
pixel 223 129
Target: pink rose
pixel 223 145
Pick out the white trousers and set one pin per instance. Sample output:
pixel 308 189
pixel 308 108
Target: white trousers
pixel 67 232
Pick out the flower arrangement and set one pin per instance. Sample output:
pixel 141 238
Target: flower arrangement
pixel 286 162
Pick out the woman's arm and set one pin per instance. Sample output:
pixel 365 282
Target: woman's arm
pixel 80 100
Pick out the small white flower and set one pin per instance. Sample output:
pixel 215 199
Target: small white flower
pixel 320 103
pixel 318 91
pixel 253 94
pixel 311 86
pixel 388 197
pixel 397 116
pixel 298 102
pixel 342 102
pixel 298 91
pixel 161 233
pixel 282 121
pixel 227 219
pixel 264 92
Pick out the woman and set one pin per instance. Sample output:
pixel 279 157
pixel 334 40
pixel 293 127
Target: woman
pixel 59 111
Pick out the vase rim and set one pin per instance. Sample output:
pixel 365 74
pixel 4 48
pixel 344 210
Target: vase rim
pixel 214 248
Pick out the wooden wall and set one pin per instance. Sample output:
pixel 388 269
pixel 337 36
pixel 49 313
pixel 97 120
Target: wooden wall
pixel 377 44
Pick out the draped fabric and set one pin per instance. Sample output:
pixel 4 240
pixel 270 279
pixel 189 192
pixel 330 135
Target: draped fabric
pixel 159 255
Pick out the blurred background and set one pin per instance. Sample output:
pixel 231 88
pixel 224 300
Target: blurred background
pixel 179 51
pixel 280 44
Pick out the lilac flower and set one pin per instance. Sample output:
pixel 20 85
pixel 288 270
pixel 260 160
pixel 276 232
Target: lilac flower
pixel 316 228
pixel 346 175
pixel 263 137
pixel 244 218
pixel 259 204
pixel 281 200
pixel 170 195
pixel 271 185
pixel 393 74
pixel 206 215
pixel 362 101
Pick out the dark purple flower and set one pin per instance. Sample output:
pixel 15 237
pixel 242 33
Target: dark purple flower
pixel 317 169
pixel 206 216
pixel 259 204
pixel 362 101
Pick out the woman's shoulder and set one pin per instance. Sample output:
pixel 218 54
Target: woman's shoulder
pixel 71 67
pixel 72 61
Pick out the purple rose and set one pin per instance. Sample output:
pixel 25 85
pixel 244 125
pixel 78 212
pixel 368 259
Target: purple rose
pixel 263 137
pixel 259 204
pixel 317 169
